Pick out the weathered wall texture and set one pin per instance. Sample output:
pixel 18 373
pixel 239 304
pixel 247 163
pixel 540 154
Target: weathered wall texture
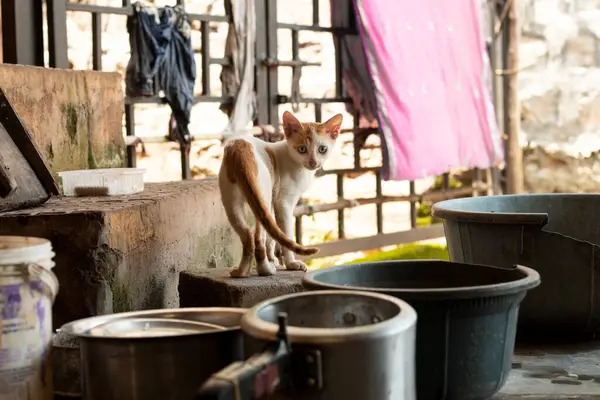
pixel 76 117
pixel 559 85
pixel 129 248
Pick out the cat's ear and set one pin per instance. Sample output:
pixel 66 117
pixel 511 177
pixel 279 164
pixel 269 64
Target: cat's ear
pixel 333 125
pixel 291 125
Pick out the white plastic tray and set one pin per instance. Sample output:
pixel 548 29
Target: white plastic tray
pixel 103 182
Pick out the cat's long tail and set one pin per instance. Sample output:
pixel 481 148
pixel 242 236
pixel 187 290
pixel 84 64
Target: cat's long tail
pixel 242 169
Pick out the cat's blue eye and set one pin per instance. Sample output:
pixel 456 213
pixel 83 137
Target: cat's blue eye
pixel 322 149
pixel 301 149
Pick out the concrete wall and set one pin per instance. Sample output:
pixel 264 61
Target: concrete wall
pixel 125 253
pixel 75 117
pixel 559 86
pixel 112 253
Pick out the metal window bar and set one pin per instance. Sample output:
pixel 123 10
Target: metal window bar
pixel 58 57
pixel 269 99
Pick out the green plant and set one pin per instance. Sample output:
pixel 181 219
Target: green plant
pixel 424 217
pixel 322 237
pixel 426 221
pixel 411 251
pixel 423 210
pixel 453 183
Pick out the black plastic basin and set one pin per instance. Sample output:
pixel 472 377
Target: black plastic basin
pixel 466 318
pixel 558 235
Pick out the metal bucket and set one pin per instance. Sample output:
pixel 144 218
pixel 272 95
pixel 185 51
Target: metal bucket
pixel 27 292
pixel 155 354
pixel 325 345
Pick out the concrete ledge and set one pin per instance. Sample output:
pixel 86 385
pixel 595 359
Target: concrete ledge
pixel 126 252
pixel 216 289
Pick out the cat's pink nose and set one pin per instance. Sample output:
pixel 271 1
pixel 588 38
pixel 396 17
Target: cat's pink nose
pixel 312 163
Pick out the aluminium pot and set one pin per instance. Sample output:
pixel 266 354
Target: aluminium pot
pixel 156 354
pixel 324 345
pixel 66 370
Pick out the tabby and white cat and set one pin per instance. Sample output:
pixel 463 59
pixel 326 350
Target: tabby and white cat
pixel 271 177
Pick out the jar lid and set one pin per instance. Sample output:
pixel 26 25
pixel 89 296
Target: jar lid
pixel 26 250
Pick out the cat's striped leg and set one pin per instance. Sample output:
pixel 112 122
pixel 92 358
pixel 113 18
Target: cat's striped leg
pixel 271 254
pixel 233 203
pixel 284 214
pixel 264 266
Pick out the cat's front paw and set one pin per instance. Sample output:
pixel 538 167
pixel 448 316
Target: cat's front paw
pixel 266 268
pixel 296 265
pixel 274 260
pixel 238 273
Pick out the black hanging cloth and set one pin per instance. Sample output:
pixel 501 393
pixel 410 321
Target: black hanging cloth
pixel 162 58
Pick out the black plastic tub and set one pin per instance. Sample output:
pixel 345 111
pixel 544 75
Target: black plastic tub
pixel 555 234
pixel 466 318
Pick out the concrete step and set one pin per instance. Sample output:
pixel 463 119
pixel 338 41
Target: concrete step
pixel 214 288
pixel 125 253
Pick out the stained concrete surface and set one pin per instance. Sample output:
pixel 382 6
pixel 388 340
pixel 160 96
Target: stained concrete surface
pixel 554 372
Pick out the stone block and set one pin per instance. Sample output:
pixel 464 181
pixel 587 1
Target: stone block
pixel 75 117
pixel 216 289
pixel 126 252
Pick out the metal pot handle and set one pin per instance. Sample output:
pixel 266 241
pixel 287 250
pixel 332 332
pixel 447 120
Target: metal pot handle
pixel 277 368
pixel 259 376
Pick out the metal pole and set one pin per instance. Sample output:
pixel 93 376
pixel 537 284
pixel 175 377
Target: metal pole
pixel 56 15
pixel 497 56
pixel 270 24
pixel 22 35
pixel 186 172
pixel 130 131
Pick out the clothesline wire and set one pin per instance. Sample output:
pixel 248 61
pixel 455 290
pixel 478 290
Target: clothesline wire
pixel 515 70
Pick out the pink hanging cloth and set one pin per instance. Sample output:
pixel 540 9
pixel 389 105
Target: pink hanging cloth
pixel 430 73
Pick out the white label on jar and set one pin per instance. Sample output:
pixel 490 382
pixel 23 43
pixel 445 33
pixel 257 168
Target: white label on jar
pixel 26 334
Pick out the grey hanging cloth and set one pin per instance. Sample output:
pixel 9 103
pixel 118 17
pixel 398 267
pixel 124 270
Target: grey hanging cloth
pixel 162 58
pixel 237 78
pixel 355 71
